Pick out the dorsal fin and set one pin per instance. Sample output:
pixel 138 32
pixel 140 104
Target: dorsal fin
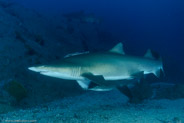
pixel 118 49
pixel 149 54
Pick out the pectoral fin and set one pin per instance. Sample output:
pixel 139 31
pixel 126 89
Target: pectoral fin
pixel 97 82
pixel 98 79
pixel 83 83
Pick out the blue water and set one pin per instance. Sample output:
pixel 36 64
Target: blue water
pixel 140 25
pixel 44 35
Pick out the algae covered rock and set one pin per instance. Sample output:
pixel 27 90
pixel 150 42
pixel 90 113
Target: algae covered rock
pixel 178 91
pixel 175 91
pixel 16 90
pixel 140 92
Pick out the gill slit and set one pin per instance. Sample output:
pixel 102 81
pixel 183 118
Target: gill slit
pixel 76 71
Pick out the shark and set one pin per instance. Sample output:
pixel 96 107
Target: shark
pixel 103 71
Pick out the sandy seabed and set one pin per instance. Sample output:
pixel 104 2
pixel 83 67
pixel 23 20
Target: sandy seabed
pixel 100 107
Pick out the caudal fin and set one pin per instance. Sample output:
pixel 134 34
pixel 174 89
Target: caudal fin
pixel 154 55
pixel 159 72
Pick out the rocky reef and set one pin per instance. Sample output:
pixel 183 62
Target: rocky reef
pixel 28 38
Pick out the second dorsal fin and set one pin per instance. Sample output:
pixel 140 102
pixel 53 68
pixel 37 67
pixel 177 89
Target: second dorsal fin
pixel 149 54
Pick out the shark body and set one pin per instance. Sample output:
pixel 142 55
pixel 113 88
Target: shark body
pixel 103 71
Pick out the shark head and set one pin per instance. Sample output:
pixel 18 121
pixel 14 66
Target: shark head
pixel 63 72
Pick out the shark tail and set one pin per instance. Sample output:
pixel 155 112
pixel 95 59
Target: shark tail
pixel 154 55
pixel 161 71
pixel 158 73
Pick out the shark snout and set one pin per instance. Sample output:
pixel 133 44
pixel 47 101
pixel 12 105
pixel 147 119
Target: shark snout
pixel 38 69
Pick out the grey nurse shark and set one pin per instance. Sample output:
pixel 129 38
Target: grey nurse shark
pixel 103 71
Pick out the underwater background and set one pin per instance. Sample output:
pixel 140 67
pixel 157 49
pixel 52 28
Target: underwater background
pixel 42 31
pixel 138 24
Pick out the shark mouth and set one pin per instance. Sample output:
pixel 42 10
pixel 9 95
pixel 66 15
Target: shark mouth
pixel 42 71
pixel 45 72
pixel 35 69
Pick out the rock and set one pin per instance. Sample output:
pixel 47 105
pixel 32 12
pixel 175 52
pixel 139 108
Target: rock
pixel 16 90
pixel 168 91
pixel 5 108
pixel 140 92
pixel 28 38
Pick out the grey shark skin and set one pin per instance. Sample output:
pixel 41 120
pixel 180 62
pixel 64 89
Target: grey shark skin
pixel 103 71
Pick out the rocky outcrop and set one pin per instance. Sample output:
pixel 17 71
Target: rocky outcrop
pixel 28 38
